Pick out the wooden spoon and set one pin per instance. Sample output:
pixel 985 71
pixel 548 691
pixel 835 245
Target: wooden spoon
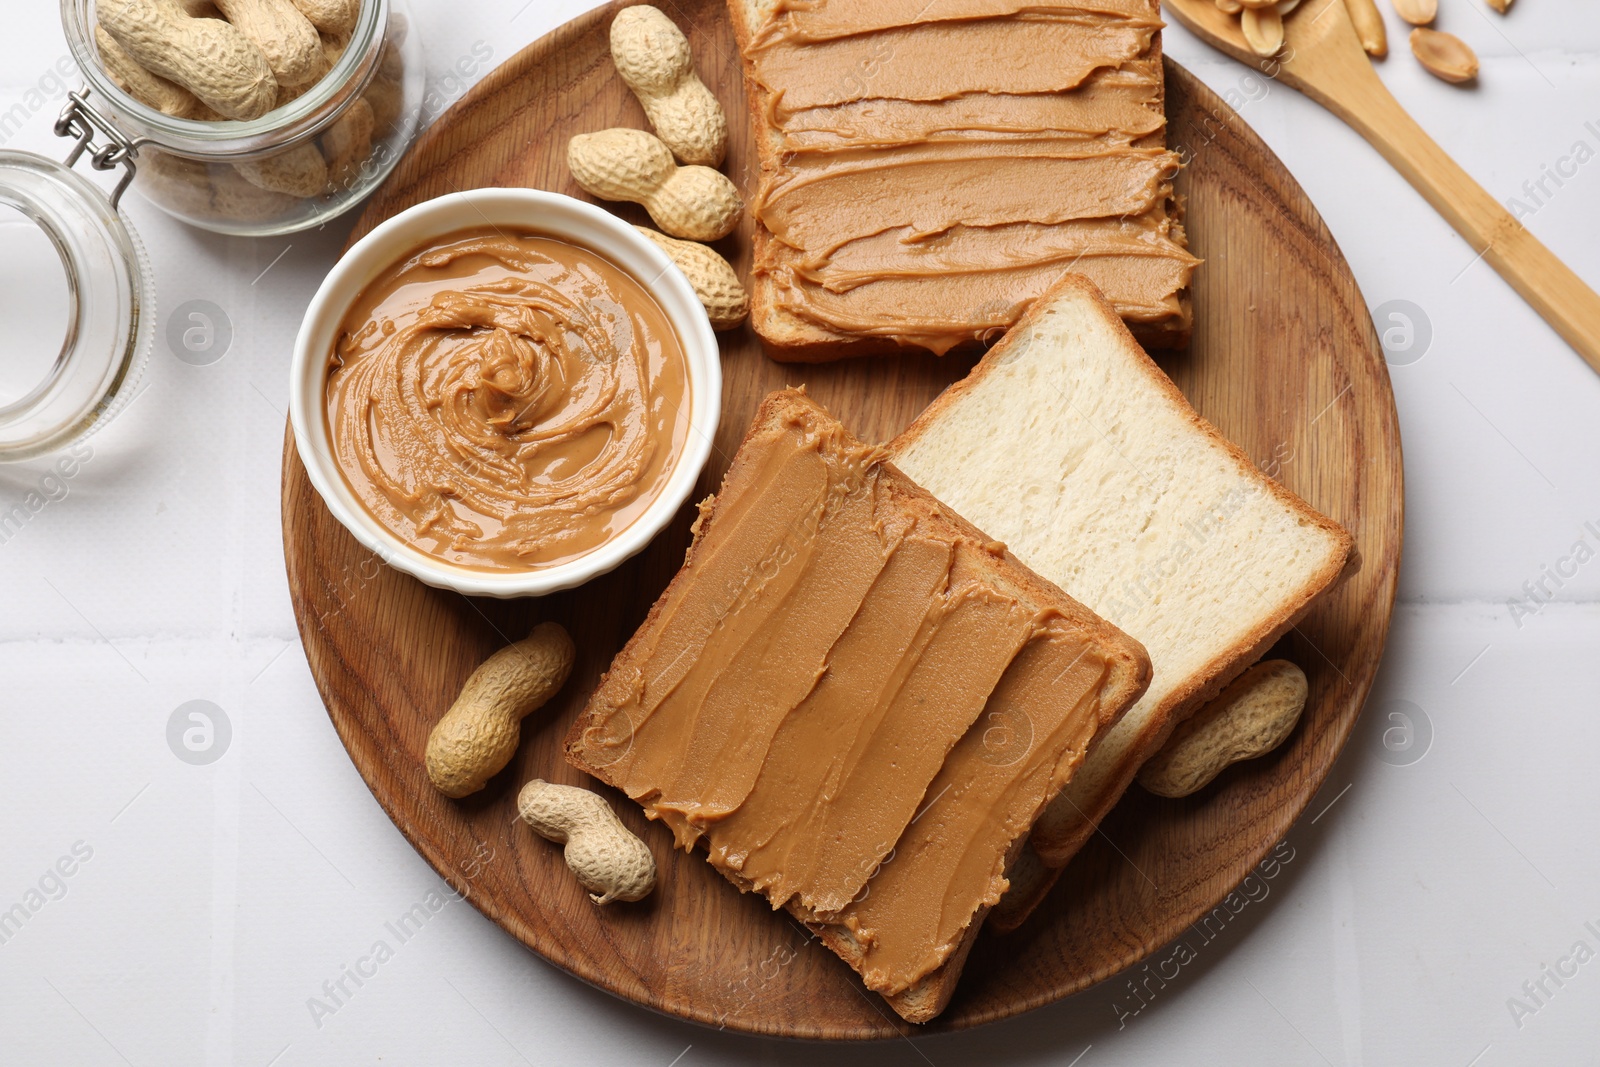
pixel 1323 59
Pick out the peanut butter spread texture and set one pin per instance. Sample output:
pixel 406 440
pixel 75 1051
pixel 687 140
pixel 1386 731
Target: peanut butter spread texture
pixel 931 167
pixel 506 401
pixel 853 699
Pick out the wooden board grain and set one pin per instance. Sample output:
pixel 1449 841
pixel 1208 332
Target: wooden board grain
pixel 1284 360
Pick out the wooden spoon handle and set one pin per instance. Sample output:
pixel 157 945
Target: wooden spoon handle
pixel 1555 292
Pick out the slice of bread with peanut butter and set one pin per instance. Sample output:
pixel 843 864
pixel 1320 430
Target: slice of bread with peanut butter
pixel 1069 444
pixel 927 169
pixel 855 701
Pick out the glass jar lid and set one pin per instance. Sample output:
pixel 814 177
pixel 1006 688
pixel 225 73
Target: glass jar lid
pixel 50 401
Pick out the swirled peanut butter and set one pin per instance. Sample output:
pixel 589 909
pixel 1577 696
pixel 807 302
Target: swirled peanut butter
pixel 855 700
pixel 506 401
pixel 931 166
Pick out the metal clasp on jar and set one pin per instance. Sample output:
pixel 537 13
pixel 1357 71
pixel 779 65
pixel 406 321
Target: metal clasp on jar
pixel 82 120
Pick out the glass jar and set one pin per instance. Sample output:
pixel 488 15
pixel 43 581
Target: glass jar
pixel 109 305
pixel 312 157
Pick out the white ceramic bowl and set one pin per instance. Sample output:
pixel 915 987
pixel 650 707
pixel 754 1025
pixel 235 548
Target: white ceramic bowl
pixel 545 214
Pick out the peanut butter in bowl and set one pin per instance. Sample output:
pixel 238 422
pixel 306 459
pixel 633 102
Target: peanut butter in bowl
pixel 506 401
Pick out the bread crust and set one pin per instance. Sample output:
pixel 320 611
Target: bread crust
pixel 1056 845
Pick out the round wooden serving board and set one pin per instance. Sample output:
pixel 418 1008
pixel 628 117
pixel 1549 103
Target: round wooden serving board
pixel 1284 361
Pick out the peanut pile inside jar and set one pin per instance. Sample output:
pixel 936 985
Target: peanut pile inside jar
pixel 506 401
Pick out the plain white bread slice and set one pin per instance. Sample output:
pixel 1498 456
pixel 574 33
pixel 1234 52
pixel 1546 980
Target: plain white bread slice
pixel 1070 445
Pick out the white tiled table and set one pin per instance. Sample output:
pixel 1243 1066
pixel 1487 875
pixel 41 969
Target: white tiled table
pixel 207 904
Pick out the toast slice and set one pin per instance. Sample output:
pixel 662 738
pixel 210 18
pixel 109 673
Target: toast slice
pixel 855 701
pixel 915 266
pixel 1069 444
